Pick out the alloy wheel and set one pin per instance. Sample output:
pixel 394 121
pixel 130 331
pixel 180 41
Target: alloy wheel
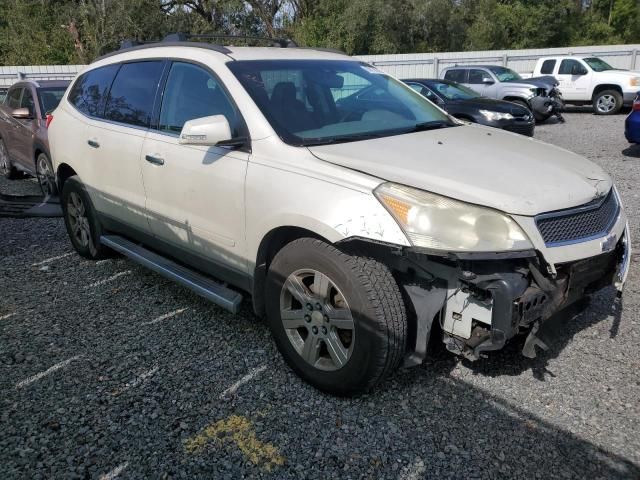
pixel 4 159
pixel 606 103
pixel 317 319
pixel 45 175
pixel 78 221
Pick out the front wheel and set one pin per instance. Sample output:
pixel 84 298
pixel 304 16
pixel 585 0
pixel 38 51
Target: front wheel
pixel 6 168
pixel 338 319
pixel 607 102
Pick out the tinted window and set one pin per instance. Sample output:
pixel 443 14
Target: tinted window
pixel 50 98
pixel 547 67
pixel 27 102
pixel 89 93
pixel 478 76
pixel 456 76
pixel 424 91
pixel 567 65
pixel 132 93
pixel 192 92
pixel 13 99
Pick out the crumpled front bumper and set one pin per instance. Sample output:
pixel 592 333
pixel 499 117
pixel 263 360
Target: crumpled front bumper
pixel 481 304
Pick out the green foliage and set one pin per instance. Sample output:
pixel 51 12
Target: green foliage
pixel 77 31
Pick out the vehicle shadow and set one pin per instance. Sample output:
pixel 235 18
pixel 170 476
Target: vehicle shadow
pixel 632 151
pixel 557 333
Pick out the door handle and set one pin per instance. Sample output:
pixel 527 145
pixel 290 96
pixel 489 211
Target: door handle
pixel 93 143
pixel 154 160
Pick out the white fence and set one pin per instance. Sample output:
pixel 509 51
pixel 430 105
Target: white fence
pixel 409 65
pixel 10 75
pixel 429 65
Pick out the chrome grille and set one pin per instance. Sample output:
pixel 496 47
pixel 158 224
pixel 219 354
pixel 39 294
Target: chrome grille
pixel 579 224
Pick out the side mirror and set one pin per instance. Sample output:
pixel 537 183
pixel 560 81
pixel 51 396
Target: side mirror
pixel 22 113
pixel 487 81
pixel 206 131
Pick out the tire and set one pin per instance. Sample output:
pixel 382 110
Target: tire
pixel 81 221
pixel 360 289
pixel 6 168
pixel 607 102
pixel 46 176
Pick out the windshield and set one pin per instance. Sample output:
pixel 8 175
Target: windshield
pixel 453 92
pixel 311 102
pixel 50 98
pixel 505 74
pixel 597 64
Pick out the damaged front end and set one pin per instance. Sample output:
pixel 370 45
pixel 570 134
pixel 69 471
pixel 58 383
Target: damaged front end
pixel 482 302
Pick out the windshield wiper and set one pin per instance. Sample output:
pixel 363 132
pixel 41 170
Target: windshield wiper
pixel 432 125
pixel 340 139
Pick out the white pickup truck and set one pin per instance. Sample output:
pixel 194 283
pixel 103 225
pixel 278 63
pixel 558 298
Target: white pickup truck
pixel 585 79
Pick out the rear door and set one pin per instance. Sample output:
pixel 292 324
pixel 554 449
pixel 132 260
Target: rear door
pixel 195 194
pixel 115 139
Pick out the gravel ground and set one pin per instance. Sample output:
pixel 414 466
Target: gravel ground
pixel 109 371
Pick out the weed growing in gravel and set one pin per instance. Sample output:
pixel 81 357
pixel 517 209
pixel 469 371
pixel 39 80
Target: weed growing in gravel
pixel 239 430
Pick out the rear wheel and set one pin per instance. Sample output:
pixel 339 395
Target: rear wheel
pixel 607 102
pixel 6 168
pixel 81 221
pixel 46 177
pixel 338 319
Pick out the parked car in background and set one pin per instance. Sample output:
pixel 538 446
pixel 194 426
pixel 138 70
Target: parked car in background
pixel 540 95
pixel 3 93
pixel 632 123
pixel 359 227
pixel 467 104
pixel 590 80
pixel 24 144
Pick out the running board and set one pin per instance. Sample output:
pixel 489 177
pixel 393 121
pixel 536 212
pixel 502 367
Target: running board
pixel 203 286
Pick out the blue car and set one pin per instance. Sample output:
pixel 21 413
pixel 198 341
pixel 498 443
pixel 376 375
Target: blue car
pixel 632 124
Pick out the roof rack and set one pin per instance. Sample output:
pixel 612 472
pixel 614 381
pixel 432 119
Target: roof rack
pixel 184 37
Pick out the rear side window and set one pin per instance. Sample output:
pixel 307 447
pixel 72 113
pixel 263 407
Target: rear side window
pixel 13 99
pixel 547 67
pixel 456 76
pixel 192 92
pixel 89 93
pixel 133 92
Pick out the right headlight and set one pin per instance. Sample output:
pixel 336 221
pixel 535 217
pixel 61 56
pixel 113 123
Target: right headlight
pixel 436 222
pixel 494 116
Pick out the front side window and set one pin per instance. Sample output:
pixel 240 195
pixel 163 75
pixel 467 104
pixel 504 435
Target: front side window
pixel 133 92
pixel 315 102
pixel 597 64
pixel 567 66
pixel 192 92
pixel 458 76
pixel 27 102
pixel 89 93
pixel 13 98
pixel 50 98
pixel 478 77
pixel 547 67
pixel 505 74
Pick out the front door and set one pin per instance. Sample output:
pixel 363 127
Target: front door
pixel 24 132
pixel 482 82
pixel 574 79
pixel 195 194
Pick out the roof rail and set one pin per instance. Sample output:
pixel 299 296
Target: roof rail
pixel 184 37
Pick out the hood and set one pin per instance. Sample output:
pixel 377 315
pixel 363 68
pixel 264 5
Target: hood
pixel 546 81
pixel 479 165
pixel 483 103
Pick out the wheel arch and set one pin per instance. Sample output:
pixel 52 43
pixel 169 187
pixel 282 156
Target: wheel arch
pixel 63 172
pixel 605 86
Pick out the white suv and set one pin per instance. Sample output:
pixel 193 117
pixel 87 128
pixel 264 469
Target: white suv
pixel 360 218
